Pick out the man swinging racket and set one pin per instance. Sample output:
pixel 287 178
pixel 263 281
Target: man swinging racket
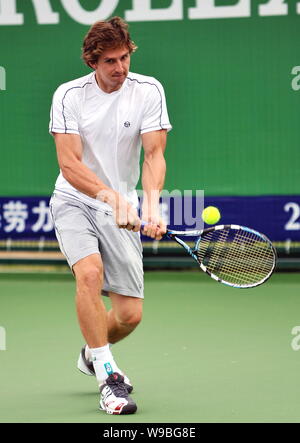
pixel 99 123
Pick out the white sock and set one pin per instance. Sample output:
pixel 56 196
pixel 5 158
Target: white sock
pixel 88 354
pixel 103 362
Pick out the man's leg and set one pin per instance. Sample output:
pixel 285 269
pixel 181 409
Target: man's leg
pixel 91 311
pixel 92 318
pixel 92 315
pixel 124 317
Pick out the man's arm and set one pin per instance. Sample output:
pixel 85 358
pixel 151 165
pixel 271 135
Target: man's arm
pixel 69 154
pixel 153 177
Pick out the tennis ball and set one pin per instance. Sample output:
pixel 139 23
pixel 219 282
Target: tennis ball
pixel 211 215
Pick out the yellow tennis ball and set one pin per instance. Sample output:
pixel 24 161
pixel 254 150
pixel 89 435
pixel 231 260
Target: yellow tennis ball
pixel 211 215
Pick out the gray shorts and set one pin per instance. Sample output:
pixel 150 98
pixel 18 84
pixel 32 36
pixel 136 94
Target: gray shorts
pixel 82 231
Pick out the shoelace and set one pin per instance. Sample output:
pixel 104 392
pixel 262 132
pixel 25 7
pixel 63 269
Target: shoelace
pixel 118 387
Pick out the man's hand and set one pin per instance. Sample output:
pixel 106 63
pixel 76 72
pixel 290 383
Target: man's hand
pixel 125 215
pixel 155 226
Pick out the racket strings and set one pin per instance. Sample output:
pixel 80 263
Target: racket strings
pixel 236 256
pixel 261 255
pixel 232 264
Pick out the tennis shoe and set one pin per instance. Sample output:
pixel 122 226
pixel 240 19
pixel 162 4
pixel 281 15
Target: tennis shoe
pixel 86 367
pixel 114 398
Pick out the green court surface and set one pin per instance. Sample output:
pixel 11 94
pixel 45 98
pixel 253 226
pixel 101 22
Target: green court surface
pixel 203 353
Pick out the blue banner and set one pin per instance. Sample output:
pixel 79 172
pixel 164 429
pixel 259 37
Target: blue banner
pixel 29 218
pixel 25 218
pixel 278 217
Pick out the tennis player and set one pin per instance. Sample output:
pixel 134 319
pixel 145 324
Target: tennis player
pixel 100 122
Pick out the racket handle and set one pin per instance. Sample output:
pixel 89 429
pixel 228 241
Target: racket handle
pixel 143 224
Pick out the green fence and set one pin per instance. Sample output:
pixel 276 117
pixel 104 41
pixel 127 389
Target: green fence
pixel 231 83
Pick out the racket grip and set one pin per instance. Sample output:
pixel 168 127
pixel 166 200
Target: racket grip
pixel 143 224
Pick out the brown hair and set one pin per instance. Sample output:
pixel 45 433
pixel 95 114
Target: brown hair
pixel 110 34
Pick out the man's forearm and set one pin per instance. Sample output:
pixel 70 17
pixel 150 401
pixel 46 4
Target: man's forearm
pixel 85 180
pixel 153 178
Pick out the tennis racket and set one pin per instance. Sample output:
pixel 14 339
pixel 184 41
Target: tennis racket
pixel 231 254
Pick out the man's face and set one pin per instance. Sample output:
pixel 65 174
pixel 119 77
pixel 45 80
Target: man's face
pixel 112 69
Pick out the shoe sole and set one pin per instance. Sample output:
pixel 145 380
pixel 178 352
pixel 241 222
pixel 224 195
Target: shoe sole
pixel 126 410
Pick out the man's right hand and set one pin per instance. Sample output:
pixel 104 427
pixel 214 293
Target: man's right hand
pixel 125 215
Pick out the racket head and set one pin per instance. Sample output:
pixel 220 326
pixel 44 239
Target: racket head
pixel 235 255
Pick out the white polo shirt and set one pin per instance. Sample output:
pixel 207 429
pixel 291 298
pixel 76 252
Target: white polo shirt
pixel 110 127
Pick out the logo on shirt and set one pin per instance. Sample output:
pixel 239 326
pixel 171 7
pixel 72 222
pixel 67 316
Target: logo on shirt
pixel 126 124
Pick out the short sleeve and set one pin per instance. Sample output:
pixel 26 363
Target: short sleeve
pixel 63 114
pixel 155 115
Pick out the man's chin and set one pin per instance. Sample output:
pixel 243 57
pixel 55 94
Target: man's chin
pixel 119 78
pixel 118 82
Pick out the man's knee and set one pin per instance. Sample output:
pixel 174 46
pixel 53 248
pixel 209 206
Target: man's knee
pixel 88 273
pixel 130 319
pixel 91 278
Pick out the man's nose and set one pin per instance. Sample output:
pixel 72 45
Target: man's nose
pixel 119 66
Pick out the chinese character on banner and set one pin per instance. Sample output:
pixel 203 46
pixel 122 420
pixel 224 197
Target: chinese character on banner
pixel 44 221
pixel 15 213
